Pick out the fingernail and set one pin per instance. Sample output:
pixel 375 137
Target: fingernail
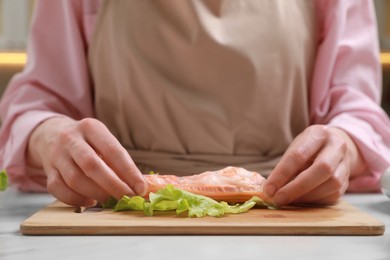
pixel 270 190
pixel 140 188
pixel 281 199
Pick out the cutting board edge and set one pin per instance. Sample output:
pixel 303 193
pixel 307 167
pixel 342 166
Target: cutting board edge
pixel 377 230
pixel 368 226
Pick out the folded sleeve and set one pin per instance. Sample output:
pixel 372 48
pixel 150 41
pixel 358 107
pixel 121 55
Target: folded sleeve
pixel 54 82
pixel 346 87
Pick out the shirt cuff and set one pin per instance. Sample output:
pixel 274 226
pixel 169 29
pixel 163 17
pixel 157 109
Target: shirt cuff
pixel 370 146
pixel 14 153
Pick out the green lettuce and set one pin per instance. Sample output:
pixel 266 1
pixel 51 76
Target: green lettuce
pixel 171 198
pixel 3 180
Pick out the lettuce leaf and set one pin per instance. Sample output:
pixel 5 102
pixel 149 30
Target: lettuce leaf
pixel 3 180
pixel 109 203
pixel 127 203
pixel 171 198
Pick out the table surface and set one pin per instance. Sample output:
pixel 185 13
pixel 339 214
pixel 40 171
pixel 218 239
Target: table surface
pixel 15 207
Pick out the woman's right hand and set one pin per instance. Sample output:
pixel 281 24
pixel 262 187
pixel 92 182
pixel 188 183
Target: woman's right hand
pixel 84 163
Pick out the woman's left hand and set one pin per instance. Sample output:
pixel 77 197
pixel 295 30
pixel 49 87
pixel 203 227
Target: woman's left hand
pixel 315 168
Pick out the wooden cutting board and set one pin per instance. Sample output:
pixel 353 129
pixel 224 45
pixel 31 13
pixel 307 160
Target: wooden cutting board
pixel 340 219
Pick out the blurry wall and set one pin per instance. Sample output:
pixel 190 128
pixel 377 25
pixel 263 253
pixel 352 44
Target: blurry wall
pixel 15 17
pixel 6 73
pixel 382 8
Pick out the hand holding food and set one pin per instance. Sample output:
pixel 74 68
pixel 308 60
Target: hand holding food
pixel 83 161
pixel 315 168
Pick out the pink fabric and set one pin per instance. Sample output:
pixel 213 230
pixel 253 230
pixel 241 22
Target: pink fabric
pixel 345 91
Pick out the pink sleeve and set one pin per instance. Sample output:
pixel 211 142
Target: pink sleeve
pixel 346 87
pixel 54 82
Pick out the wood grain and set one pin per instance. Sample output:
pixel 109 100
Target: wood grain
pixel 341 219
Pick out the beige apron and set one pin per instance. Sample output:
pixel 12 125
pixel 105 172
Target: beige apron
pixel 194 85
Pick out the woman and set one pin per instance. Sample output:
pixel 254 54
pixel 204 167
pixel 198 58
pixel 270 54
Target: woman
pixel 111 90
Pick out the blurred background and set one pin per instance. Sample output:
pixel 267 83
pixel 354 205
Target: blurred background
pixel 382 8
pixel 15 17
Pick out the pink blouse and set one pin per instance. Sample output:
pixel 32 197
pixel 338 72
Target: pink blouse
pixel 345 91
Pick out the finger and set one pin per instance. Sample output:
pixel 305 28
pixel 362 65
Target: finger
pixel 57 187
pixel 296 158
pixel 322 169
pixel 97 170
pixel 74 178
pixel 331 199
pixel 333 187
pixel 115 156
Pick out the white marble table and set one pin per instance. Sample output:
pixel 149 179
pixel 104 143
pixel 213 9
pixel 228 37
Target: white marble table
pixel 16 207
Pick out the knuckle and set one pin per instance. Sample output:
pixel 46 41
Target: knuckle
pixel 135 171
pixel 336 184
pixel 300 187
pixel 88 163
pixel 72 179
pixel 312 129
pixel 67 139
pixel 299 156
pixel 342 145
pixel 54 181
pixel 325 168
pixel 65 136
pixel 87 124
pixel 318 130
pixel 112 150
pixel 339 141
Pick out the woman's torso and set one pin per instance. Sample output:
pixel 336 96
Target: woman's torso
pixel 189 86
